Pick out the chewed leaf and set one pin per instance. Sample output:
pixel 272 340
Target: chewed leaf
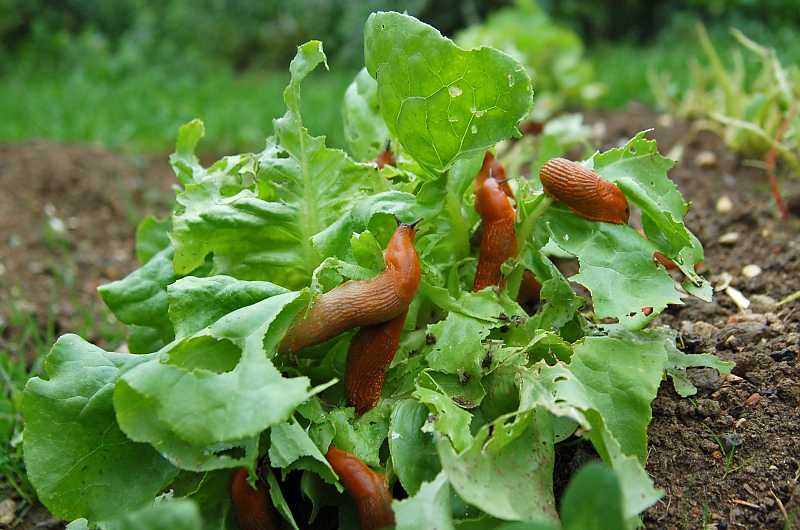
pixel 69 419
pixel 429 508
pixel 442 102
pixel 616 266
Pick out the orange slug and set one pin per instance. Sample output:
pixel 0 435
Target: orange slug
pixel 658 256
pixel 367 489
pixel 253 507
pixel 361 303
pixel 371 351
pixel 499 241
pixel 584 192
pixel 386 157
pixel 493 168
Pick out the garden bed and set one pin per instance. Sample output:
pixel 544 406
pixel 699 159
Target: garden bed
pixel 54 273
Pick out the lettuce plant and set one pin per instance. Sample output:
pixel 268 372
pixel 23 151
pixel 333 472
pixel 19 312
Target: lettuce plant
pixel 468 422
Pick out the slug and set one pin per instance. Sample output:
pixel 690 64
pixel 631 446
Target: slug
pixel 371 351
pixel 493 168
pixel 367 489
pixel 253 507
pixel 361 303
pixel 499 241
pixel 386 157
pixel 584 192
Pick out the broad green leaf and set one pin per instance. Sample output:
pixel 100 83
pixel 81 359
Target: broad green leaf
pixel 509 460
pixel 151 238
pixel 77 458
pixel 214 501
pixel 558 301
pixel 364 129
pixel 442 102
pixel 414 456
pixel 428 509
pixel 263 229
pixel 592 500
pixel 458 347
pixel 621 377
pixel 616 265
pixel 201 407
pixel 195 303
pixel 141 297
pixel 558 390
pixel 291 448
pixel 335 240
pixel 167 515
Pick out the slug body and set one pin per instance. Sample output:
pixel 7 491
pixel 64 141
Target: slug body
pixel 361 303
pixel 385 157
pixel 371 351
pixel 253 507
pixel 499 241
pixel 584 192
pixel 367 489
pixel 493 168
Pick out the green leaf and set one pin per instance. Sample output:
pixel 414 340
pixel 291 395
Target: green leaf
pixel 510 459
pixel 414 456
pixel 452 420
pixel 365 132
pixel 428 509
pixel 621 377
pixel 77 458
pixel 616 265
pixel 559 391
pixel 593 500
pixel 195 303
pixel 200 407
pixel 364 436
pixel 183 160
pixel 442 102
pixel 258 216
pixel 151 238
pixel 291 448
pixel 167 515
pixel 141 297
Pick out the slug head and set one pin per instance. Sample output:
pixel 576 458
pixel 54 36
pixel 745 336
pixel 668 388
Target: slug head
pixel 492 203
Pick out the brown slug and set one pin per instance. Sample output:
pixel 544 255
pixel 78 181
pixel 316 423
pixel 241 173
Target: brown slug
pixel 371 351
pixel 493 168
pixel 367 489
pixel 499 241
pixel 253 507
pixel 385 157
pixel 361 303
pixel 584 192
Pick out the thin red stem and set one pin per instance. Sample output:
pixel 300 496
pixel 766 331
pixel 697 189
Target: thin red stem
pixel 773 182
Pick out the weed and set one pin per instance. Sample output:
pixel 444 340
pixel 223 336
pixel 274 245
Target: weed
pixel 728 456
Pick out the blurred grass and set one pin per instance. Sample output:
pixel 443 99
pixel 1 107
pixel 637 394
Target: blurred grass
pixel 141 112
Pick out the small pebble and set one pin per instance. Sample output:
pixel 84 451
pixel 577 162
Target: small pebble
pixel 751 271
pixel 729 238
pixel 761 303
pixel 730 441
pixel 724 204
pixel 8 510
pixel 787 354
pixel 738 298
pixel 705 159
pixel 753 400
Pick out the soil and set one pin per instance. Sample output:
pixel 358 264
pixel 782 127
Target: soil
pixel 97 195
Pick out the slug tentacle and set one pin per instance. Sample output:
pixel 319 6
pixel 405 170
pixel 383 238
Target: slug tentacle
pixel 371 351
pixel 361 303
pixel 499 241
pixel 253 507
pixel 584 192
pixel 367 489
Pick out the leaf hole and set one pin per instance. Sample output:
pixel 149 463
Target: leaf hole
pixel 633 150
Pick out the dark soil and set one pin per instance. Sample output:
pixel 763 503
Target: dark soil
pixel 98 195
